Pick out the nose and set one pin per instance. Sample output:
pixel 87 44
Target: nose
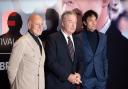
pixel 73 25
pixel 94 22
pixel 40 25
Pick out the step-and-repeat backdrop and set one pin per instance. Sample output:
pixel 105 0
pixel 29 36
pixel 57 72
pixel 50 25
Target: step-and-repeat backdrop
pixel 113 21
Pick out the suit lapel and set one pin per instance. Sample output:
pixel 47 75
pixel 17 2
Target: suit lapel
pixel 75 46
pixel 99 43
pixel 86 43
pixel 32 43
pixel 41 46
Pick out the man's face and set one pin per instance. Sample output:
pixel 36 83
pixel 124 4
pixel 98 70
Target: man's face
pixel 36 25
pixel 91 23
pixel 84 5
pixel 114 9
pixel 123 24
pixel 69 24
pixel 114 4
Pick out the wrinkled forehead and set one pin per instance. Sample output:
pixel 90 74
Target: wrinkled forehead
pixel 35 18
pixel 69 17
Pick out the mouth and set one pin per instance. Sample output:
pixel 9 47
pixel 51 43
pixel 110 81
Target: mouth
pixel 93 26
pixel 114 9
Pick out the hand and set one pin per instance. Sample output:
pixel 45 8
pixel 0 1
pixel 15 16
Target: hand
pixel 72 78
pixel 78 78
pixel 75 78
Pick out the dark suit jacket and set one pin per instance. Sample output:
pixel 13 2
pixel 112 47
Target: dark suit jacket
pixel 97 60
pixel 59 64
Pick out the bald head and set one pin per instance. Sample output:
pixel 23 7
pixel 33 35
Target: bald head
pixel 35 24
pixel 33 16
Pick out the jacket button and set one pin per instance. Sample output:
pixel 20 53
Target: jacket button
pixel 37 74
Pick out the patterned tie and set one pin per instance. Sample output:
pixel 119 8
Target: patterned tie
pixel 70 47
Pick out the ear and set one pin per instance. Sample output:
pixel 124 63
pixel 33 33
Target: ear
pixel 84 23
pixel 29 25
pixel 62 24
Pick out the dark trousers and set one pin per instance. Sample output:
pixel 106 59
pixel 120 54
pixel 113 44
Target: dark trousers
pixel 93 83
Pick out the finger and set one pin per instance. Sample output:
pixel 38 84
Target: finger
pixel 78 80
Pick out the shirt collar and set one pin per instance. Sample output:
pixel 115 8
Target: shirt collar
pixel 65 35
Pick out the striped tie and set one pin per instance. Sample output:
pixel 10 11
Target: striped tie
pixel 70 47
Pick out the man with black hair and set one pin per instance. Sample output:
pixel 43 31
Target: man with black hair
pixel 95 74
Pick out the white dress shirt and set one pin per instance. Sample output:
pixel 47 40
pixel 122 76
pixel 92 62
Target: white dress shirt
pixel 66 37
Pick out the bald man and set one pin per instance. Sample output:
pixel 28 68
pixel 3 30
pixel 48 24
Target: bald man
pixel 26 64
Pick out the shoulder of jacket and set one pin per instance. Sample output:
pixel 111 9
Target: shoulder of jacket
pixel 21 40
pixel 54 35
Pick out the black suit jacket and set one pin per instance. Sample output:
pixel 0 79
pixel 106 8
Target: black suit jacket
pixel 59 64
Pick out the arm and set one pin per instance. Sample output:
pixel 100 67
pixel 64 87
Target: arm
pixel 80 58
pixel 105 59
pixel 14 61
pixel 80 62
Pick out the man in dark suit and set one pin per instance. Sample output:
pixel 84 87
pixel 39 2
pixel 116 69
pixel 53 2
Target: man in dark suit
pixel 95 73
pixel 64 64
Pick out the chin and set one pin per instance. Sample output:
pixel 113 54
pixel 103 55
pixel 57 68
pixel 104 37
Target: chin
pixel 93 29
pixel 72 32
pixel 39 34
